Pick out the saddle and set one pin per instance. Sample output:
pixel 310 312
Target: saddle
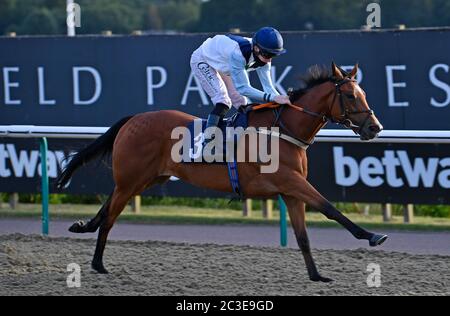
pixel 197 135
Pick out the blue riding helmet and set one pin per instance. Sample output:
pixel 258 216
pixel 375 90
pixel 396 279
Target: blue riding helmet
pixel 269 40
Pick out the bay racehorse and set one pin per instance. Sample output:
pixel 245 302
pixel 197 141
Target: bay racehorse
pixel 141 157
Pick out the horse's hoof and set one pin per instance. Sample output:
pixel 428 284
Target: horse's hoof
pixel 99 268
pixel 319 278
pixel 377 240
pixel 77 227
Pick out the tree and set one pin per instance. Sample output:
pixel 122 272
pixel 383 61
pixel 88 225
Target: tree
pixel 6 18
pixel 179 15
pixel 221 15
pixel 114 15
pixel 153 20
pixel 124 16
pixel 39 21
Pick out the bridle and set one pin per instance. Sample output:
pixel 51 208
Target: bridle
pixel 343 119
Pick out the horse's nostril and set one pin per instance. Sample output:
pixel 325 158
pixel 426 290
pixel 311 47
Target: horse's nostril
pixel 375 128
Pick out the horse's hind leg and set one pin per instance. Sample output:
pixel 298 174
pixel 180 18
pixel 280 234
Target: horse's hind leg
pixel 296 210
pixel 91 227
pixel 119 200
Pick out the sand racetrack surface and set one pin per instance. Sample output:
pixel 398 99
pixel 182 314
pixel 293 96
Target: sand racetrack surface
pixel 34 265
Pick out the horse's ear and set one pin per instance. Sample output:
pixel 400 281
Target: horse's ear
pixel 354 71
pixel 336 72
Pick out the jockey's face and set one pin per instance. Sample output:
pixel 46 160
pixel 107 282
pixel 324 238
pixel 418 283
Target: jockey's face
pixel 261 55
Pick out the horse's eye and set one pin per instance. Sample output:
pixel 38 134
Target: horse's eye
pixel 350 96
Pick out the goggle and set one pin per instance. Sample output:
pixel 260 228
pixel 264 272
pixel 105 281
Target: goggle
pixel 266 54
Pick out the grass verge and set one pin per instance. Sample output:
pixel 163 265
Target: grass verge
pixel 191 215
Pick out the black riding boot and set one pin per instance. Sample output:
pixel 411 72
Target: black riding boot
pixel 216 116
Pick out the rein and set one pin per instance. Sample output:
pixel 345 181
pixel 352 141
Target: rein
pixel 273 105
pixel 288 136
pixel 344 116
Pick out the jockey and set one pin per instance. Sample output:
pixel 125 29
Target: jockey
pixel 221 64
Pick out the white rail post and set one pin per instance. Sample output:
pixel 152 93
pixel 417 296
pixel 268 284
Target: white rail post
pixel 13 200
pixel 267 209
pixel 387 212
pixel 247 208
pixel 367 210
pixel 408 210
pixel 136 204
pixel 45 186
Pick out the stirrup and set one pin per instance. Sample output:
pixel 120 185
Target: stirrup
pixel 207 140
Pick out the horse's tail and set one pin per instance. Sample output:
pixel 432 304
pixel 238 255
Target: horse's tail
pixel 100 147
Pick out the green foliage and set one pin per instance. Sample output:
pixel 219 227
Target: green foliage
pixel 82 199
pixel 440 211
pixel 39 21
pixel 7 14
pixel 194 202
pixel 350 207
pixel 319 14
pixel 220 16
pixel 62 199
pixel 32 17
pixel 179 15
pixel 433 210
pixel 119 16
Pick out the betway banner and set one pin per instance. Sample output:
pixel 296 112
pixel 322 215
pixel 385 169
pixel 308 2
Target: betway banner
pixel 94 81
pixel 397 173
pixel 381 173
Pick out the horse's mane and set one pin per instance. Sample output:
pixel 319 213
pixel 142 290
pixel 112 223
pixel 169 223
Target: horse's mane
pixel 315 75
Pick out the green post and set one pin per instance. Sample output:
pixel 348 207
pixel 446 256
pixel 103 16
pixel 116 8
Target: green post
pixel 44 168
pixel 283 222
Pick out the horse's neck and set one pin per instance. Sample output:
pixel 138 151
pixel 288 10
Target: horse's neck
pixel 261 118
pixel 305 126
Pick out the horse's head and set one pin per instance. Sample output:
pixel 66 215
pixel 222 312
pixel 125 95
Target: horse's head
pixel 349 106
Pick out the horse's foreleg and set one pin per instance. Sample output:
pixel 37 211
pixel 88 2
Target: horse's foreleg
pixel 296 210
pixel 304 191
pixel 91 227
pixel 119 200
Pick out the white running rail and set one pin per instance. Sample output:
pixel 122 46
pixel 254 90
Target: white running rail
pixel 325 135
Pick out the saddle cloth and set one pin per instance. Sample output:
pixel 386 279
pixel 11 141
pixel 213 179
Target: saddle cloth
pixel 197 136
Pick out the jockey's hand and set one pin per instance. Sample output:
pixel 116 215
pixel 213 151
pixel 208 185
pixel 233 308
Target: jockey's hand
pixel 282 99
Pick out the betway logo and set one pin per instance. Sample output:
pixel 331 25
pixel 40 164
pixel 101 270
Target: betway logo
pixel 27 163
pixel 374 172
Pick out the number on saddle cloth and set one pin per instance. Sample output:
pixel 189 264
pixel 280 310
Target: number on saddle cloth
pixel 197 135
